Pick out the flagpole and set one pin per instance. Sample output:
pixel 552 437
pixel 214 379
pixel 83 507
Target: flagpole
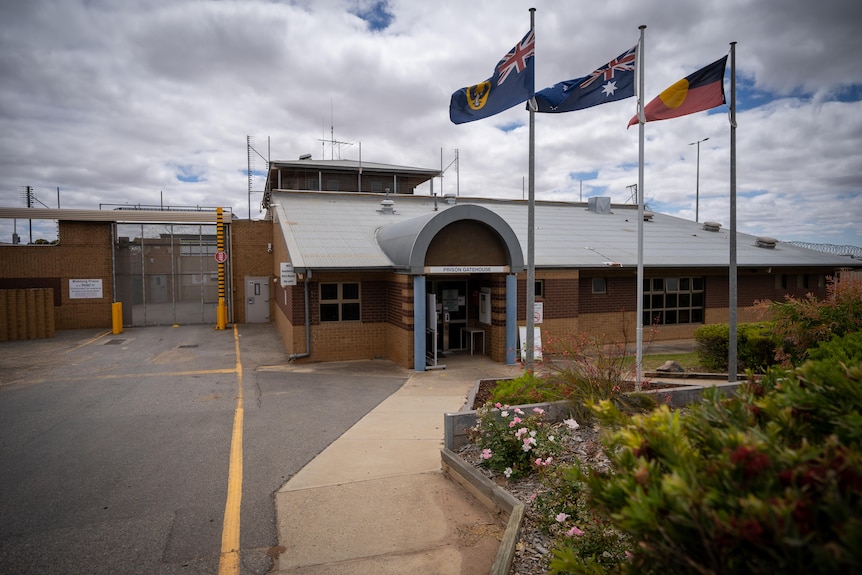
pixel 731 342
pixel 529 340
pixel 640 276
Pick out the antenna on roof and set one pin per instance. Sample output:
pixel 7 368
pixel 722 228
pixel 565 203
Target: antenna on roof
pixel 332 141
pixel 634 193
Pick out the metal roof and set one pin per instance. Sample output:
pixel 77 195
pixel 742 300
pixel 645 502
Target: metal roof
pixel 332 230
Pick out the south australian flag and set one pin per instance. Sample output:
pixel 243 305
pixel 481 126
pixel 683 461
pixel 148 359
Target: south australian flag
pixel 512 83
pixel 609 83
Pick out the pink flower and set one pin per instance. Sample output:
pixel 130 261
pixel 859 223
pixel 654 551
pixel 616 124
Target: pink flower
pixel 521 432
pixel 498 405
pixel 516 419
pixel 539 410
pixel 518 411
pixel 538 461
pixel 562 517
pixel 486 454
pixel 574 531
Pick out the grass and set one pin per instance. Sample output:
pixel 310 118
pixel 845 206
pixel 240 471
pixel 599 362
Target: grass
pixel 689 361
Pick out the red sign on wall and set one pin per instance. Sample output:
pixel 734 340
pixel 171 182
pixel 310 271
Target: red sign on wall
pixel 221 257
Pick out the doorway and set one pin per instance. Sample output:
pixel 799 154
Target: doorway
pixel 257 300
pixel 451 311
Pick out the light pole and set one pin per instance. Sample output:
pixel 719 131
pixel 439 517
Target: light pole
pixel 697 185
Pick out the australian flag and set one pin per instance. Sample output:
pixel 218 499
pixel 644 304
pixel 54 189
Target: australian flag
pixel 512 83
pixel 611 82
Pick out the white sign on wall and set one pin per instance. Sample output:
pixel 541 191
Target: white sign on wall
pixel 85 289
pixel 466 269
pixel 538 311
pixel 288 276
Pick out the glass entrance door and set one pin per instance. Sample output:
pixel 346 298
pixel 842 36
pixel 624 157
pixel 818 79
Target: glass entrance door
pixel 452 311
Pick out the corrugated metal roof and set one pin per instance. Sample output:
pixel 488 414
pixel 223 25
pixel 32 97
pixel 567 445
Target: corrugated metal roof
pixel 330 230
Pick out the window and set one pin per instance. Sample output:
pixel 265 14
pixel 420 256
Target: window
pixel 539 286
pixel 600 285
pixel 669 301
pixel 339 302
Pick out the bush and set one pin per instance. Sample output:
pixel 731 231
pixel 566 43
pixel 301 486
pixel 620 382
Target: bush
pixel 845 350
pixel 801 323
pixel 767 481
pixel 526 388
pixel 755 346
pixel 587 372
pixel 513 442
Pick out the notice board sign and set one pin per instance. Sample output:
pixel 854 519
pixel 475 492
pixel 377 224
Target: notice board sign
pixel 85 289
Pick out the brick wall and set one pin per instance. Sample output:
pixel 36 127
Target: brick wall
pixel 249 241
pixel 83 252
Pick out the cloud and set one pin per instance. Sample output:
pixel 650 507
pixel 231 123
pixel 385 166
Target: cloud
pixel 139 101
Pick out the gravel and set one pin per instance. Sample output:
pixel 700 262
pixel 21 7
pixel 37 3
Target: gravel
pixel 532 552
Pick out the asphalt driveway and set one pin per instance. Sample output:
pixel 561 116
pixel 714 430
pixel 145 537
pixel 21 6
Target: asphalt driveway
pixel 115 450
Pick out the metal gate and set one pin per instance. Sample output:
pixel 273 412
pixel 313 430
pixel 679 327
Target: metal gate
pixel 166 273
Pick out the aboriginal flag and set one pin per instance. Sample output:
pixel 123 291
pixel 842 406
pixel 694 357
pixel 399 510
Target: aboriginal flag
pixel 696 92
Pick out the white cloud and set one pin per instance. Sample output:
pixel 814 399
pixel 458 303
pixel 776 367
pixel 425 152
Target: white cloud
pixel 117 103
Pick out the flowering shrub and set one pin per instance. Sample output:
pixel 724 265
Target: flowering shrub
pixel 801 323
pixel 514 442
pixel 767 481
pixel 583 535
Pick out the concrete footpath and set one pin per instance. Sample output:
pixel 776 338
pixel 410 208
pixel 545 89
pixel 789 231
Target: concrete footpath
pixel 376 501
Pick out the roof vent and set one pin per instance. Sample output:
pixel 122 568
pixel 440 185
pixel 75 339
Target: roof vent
pixel 450 199
pixel 387 207
pixel 599 204
pixel 305 157
pixel 712 226
pixel 765 242
pixel 648 216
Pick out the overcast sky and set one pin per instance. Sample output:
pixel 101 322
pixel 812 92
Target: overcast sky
pixel 149 102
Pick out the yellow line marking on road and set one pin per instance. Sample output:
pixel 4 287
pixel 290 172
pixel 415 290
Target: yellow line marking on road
pixel 229 558
pixel 91 377
pixel 86 343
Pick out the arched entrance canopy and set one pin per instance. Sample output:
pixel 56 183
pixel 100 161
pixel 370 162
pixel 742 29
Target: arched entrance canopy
pixel 406 242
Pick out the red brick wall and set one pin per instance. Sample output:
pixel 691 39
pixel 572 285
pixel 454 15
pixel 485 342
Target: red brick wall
pixel 83 252
pixel 249 242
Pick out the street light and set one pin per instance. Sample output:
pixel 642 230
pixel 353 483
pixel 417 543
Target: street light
pixel 697 185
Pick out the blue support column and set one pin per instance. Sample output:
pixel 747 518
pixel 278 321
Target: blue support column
pixel 419 322
pixel 511 319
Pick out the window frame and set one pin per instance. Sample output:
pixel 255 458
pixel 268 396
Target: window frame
pixel 340 303
pixel 674 300
pixel 602 289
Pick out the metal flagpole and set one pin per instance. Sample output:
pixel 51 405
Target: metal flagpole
pixel 731 342
pixel 529 340
pixel 640 291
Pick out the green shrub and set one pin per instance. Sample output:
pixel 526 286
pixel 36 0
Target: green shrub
pixel 755 346
pixel 526 388
pixel 586 371
pixel 846 349
pixel 514 442
pixel 766 481
pixel 801 323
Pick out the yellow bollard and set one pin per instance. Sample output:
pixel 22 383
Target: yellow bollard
pixel 117 317
pixel 221 314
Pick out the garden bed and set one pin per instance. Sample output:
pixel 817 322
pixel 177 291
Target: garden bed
pixel 524 547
